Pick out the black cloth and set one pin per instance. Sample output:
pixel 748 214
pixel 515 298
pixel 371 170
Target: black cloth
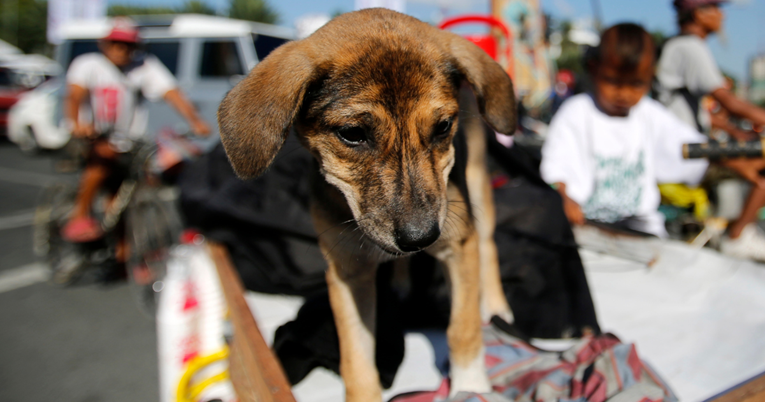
pixel 311 341
pixel 542 273
pixel 266 225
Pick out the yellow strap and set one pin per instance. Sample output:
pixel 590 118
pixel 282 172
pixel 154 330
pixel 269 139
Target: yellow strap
pixel 192 368
pixel 197 389
pixel 683 196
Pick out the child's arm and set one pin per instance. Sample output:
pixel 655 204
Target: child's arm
pixel 749 169
pixel 739 107
pixel 570 207
pixel 76 95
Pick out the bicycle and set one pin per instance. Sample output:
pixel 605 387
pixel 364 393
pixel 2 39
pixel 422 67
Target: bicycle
pixel 144 206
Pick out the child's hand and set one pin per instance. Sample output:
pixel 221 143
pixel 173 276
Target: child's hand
pixel 83 131
pixel 570 207
pixel 573 211
pixel 749 169
pixel 200 128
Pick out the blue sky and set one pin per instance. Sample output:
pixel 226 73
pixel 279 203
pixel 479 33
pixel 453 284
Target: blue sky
pixel 744 33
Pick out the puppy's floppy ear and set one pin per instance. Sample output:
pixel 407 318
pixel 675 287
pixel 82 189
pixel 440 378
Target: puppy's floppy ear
pixel 492 86
pixel 256 115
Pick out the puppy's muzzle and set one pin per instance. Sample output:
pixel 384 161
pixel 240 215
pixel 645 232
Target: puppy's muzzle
pixel 415 237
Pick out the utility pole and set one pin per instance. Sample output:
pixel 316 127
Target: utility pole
pixel 597 14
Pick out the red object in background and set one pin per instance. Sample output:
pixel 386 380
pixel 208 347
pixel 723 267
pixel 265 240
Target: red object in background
pixel 567 77
pixel 486 42
pixel 191 236
pixel 8 98
pixel 9 95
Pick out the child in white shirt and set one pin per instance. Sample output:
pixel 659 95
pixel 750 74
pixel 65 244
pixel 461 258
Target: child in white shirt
pixel 607 151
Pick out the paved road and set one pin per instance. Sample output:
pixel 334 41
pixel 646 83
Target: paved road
pixel 87 343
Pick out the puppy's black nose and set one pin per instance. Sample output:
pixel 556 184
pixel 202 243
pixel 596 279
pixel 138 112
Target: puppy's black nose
pixel 414 237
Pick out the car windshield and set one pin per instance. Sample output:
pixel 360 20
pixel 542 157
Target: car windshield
pixel 6 79
pixel 265 44
pixel 80 47
pixel 220 58
pixel 166 52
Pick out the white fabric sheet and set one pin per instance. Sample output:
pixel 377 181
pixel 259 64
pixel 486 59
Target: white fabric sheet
pixel 696 316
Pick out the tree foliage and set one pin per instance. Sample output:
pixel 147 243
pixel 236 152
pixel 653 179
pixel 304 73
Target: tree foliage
pixel 253 10
pixel 23 24
pixel 196 7
pixel 116 10
pixel 190 6
pixel 571 56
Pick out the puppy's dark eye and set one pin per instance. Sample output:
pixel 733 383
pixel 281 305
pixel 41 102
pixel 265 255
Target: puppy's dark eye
pixel 442 129
pixel 353 135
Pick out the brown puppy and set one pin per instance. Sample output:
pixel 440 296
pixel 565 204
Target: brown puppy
pixel 376 97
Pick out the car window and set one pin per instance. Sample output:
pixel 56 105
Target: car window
pixel 220 58
pixel 6 79
pixel 80 47
pixel 166 52
pixel 265 44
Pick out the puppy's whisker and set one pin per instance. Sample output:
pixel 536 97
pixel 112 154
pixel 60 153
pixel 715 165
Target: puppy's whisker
pixel 459 216
pixel 340 239
pixel 459 207
pixel 333 227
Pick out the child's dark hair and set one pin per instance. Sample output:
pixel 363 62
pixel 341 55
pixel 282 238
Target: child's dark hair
pixel 628 43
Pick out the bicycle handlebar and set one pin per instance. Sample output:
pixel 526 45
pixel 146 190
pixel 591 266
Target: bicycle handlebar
pixel 715 150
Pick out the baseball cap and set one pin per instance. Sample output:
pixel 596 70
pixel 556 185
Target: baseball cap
pixel 687 5
pixel 123 30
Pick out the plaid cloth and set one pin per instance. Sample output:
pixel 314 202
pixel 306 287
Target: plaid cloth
pixel 597 369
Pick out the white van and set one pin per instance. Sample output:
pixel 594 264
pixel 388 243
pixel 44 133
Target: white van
pixel 207 54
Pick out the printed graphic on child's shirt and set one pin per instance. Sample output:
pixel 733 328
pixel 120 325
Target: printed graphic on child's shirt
pixel 618 189
pixel 107 104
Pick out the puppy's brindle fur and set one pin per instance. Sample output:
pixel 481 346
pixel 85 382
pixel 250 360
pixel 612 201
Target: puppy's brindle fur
pixel 376 96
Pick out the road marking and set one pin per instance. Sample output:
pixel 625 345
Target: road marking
pixel 28 178
pixel 20 277
pixel 19 220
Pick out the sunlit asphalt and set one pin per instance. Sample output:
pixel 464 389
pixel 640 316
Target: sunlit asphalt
pixel 83 343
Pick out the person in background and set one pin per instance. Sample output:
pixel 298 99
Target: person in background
pixel 607 150
pixel 686 73
pixel 113 83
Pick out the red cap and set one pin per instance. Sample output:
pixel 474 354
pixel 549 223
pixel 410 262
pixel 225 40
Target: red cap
pixel 687 5
pixel 566 76
pixel 123 31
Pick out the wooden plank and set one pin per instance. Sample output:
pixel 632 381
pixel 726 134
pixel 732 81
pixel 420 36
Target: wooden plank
pixel 752 390
pixel 256 374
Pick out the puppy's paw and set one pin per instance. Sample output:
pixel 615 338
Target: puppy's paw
pixel 503 312
pixel 470 378
pixel 506 315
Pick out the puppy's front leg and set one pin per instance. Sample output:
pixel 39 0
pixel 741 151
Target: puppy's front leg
pixel 493 300
pixel 352 295
pixel 468 370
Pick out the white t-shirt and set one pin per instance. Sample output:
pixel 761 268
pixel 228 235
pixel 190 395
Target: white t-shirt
pixel 687 63
pixel 116 94
pixel 611 165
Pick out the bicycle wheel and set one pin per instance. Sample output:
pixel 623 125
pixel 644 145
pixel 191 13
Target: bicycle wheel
pixel 54 206
pixel 153 227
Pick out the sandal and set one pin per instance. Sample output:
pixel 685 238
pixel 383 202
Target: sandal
pixel 82 230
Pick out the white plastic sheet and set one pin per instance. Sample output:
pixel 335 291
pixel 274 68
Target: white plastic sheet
pixel 696 316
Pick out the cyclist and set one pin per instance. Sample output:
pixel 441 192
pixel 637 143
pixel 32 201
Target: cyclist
pixel 114 83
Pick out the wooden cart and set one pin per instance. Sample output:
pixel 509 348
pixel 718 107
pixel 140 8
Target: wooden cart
pixel 255 372
pixel 257 375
